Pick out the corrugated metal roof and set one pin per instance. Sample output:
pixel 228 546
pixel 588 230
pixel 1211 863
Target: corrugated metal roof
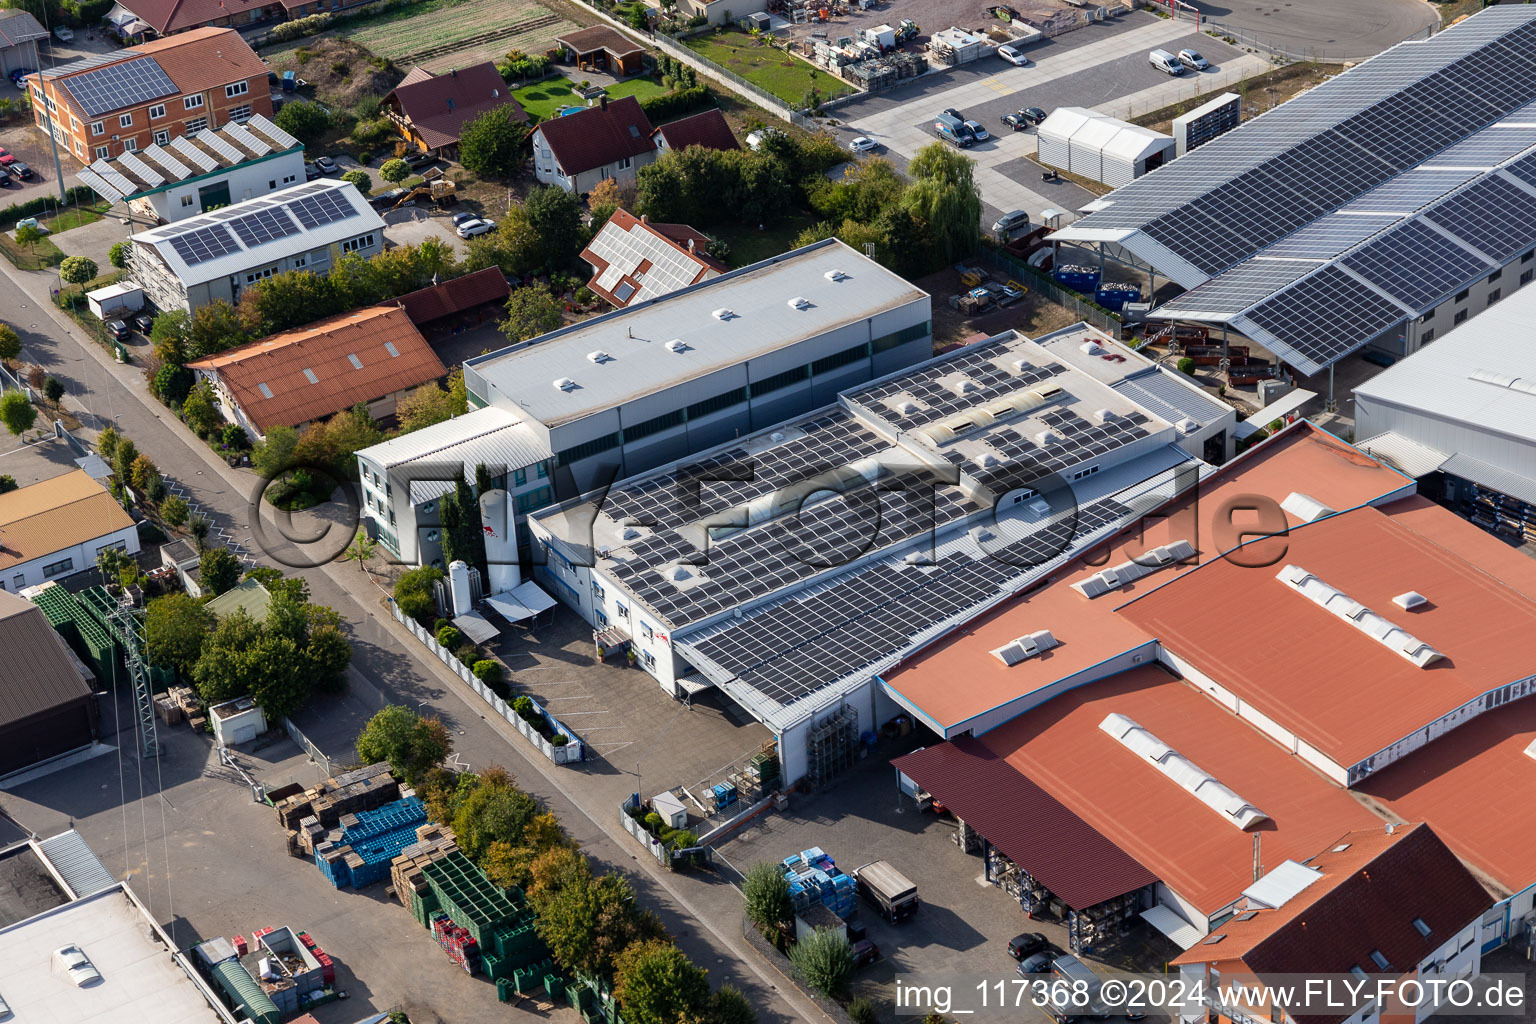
pixel 40 674
pixel 1171 399
pixel 76 863
pixel 1034 830
pixel 1404 454
pixel 1501 480
pixel 490 435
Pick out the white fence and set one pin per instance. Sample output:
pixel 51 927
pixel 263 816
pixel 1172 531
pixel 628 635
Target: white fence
pixel 651 843
pixel 309 748
pixel 573 749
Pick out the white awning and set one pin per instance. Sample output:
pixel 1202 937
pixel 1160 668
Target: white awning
pixel 1172 925
pixel 1403 453
pixel 523 603
pixel 475 626
pixel 1279 409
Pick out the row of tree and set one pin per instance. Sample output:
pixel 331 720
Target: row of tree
pixel 591 922
pixel 702 187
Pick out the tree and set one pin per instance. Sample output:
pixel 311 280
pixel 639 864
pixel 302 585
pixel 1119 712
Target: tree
pixel 53 389
pixel 944 197
pixel 7 483
pixel 218 571
pixel 463 529
pixel 586 925
pixel 606 197
pixel 765 893
pixel 825 960
pixel 16 412
pixel 414 593
pixel 492 144
pixel 730 1006
pixel 412 745
pixel 118 255
pixel 395 171
pixel 423 407
pixel 493 812
pixel 29 235
pixel 142 471
pixel 10 343
pixel 174 510
pixel 283 301
pixel 77 270
pixel 171 336
pixel 360 550
pixel 531 311
pixel 303 120
pixel 274 453
pixel 215 327
pixel 557 216
pixel 224 668
pixel 198 526
pixel 359 177
pixel 199 410
pixel 277 583
pixel 656 983
pixel 638 19
pixel 171 383
pixel 122 461
pixel 107 442
pixel 174 630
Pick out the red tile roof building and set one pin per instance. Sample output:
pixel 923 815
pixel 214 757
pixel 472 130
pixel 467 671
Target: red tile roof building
pixel 707 128
pixel 610 140
pixel 472 291
pixel 171 16
pixel 602 48
pixel 1388 902
pixel 634 260
pixel 432 110
pixel 372 356
pixel 204 78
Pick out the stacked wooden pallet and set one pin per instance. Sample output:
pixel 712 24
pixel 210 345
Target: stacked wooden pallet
pixel 432 842
pixel 320 809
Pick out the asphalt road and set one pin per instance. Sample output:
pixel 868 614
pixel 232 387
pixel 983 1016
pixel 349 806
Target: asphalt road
pixel 1323 29
pixel 703 917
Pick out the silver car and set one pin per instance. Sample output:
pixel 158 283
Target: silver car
pixel 1011 221
pixel 1192 60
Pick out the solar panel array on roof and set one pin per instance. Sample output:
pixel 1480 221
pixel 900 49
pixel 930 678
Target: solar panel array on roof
pixel 247 139
pixel 1409 192
pixel 321 208
pixel 1415 264
pixel 119 86
pixel 1325 316
pixel 1494 216
pixel 1488 147
pixel 263 226
pixel 1239 288
pixel 184 146
pixel 204 244
pixel 220 146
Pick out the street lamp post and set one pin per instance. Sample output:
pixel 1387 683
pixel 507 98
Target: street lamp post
pixel 53 142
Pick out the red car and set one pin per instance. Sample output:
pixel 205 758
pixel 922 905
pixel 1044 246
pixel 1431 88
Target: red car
pixel 865 952
pixel 6 159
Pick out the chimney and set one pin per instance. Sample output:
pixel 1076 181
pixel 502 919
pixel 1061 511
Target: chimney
pixel 603 102
pixel 645 218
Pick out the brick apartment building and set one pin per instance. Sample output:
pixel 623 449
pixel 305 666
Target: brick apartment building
pixel 126 101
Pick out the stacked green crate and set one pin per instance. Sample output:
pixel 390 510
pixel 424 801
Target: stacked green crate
pixel 81 630
pixel 423 906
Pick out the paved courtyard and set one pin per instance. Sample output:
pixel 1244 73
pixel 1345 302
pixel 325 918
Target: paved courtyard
pixel 1102 66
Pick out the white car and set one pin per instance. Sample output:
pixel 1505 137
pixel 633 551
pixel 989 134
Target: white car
pixel 756 139
pixel 471 228
pixel 1013 55
pixel 76 965
pixel 864 144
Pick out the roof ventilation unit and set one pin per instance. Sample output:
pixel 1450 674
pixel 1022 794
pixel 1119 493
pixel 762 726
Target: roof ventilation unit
pixel 1145 564
pixel 776 436
pixel 1530 750
pixel 990 460
pixel 1383 631
pixel 1102 416
pixel 678 573
pixel 982 535
pixel 1047 436
pixel 1305 507
pixel 724 314
pixel 835 275
pixel 1039 507
pixel 1026 646
pixel 1187 426
pixel 800 302
pixel 1093 348
pixel 565 384
pixel 630 533
pixel 1279 885
pixel 677 345
pixel 907 407
pixel 1411 600
pixel 599 357
pixel 1181 770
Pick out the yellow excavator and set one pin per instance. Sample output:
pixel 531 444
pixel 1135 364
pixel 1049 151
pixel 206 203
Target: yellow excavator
pixel 441 190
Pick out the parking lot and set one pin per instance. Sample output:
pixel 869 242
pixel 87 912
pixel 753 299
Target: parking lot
pixel 964 923
pixel 1102 66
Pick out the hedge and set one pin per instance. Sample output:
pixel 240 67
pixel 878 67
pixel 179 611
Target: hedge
pixel 300 27
pixel 675 104
pixel 45 204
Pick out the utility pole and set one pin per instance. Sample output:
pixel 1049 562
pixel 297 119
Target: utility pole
pixel 53 142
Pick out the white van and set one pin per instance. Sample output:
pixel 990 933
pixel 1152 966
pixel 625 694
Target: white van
pixel 1165 62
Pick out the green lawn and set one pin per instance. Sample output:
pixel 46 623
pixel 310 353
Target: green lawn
pixel 749 245
pixel 774 71
pixel 545 99
pixel 43 254
pixel 73 217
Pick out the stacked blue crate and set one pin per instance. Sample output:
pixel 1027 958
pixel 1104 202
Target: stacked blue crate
pixel 377 837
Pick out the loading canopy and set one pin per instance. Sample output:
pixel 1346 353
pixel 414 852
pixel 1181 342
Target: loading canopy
pixel 525 602
pixel 1172 925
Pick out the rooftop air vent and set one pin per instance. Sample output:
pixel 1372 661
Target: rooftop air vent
pixel 724 314
pixel 1383 631
pixel 1026 646
pixel 1047 436
pixel 565 384
pixel 1092 348
pixel 1145 564
pixel 982 535
pixel 1187 426
pixel 309 375
pixel 677 345
pixel 678 573
pixel 989 460
pixel 1181 770
pixel 1411 600
pixel 1103 416
pixel 776 436
pixel 599 357
pixel 800 302
pixel 835 275
pixel 1305 507
pixel 1039 506
pixel 630 533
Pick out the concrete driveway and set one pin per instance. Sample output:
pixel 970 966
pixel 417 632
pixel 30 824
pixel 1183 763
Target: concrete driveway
pixel 1100 66
pixel 1322 29
pixel 95 239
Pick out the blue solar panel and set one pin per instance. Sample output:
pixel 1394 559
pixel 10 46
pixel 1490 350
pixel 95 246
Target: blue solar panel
pixel 1415 264
pixel 118 86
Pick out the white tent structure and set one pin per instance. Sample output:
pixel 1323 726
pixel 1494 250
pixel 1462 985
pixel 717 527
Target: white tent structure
pixel 1097 146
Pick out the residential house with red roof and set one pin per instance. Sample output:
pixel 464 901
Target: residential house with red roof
pixel 103 106
pixel 634 260
pixel 1380 905
pixel 610 140
pixel 430 111
pixel 707 128
pixel 601 48
pixel 130 18
pixel 369 356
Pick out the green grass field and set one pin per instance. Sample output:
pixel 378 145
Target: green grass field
pixel 774 71
pixel 73 217
pixel 545 99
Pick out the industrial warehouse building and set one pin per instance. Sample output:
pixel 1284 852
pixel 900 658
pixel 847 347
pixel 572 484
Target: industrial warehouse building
pixel 190 263
pixel 1461 415
pixel 790 566
pixel 1380 208
pixel 1088 775
pixel 651 383
pixel 48 703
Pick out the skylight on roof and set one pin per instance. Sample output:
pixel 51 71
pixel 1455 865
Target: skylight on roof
pixel 1421 927
pixel 266 392
pixel 1215 938
pixel 389 347
pixel 309 375
pixel 1357 970
pixel 1380 959
pixel 357 364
